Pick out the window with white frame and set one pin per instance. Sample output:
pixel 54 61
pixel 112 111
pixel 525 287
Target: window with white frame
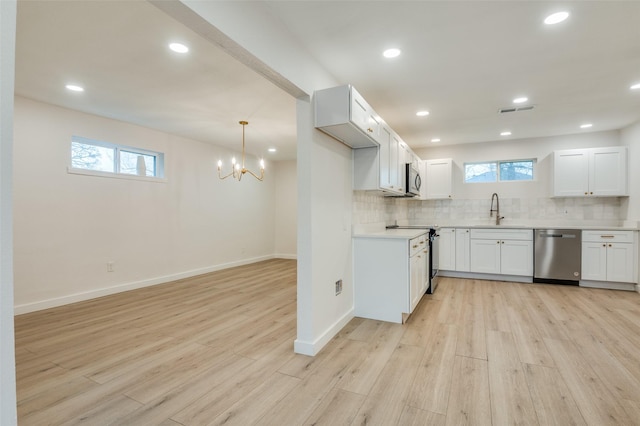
pixel 499 171
pixel 109 158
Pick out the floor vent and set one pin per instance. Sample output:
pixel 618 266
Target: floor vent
pixel 515 109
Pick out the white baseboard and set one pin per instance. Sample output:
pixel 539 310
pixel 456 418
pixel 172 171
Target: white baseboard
pixel 312 348
pixel 79 297
pixel 285 256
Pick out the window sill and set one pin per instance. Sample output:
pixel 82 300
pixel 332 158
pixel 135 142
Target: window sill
pixel 85 172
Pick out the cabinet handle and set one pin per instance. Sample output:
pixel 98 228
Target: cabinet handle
pixel 425 252
pixel 502 242
pixel 604 245
pixel 609 245
pixel 497 242
pixel 416 246
pixel 586 193
pixel 370 130
pixel 607 236
pixel 591 193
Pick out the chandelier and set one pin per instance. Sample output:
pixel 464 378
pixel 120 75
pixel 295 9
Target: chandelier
pixel 238 170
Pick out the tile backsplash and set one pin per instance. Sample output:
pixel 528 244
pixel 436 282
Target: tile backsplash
pixel 372 207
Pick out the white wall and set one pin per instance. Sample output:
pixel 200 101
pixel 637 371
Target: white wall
pixel 68 226
pixel 324 234
pixel 630 136
pixel 286 205
pixel 8 413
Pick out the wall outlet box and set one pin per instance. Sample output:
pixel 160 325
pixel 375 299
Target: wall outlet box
pixel 338 287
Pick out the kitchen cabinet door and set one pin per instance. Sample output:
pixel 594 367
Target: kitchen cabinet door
pixel 425 265
pixel 462 249
pixel 516 257
pixel 396 164
pixel 363 116
pixel 484 256
pixel 447 247
pixel 608 171
pixel 620 262
pixel 594 261
pixel 417 272
pixel 438 179
pixel 571 173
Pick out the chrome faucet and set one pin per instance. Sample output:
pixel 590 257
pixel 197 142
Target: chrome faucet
pixel 497 209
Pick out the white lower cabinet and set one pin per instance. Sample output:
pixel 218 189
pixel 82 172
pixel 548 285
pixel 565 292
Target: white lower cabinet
pixel 390 275
pixel 609 256
pixel 463 241
pixel 447 248
pixel 504 252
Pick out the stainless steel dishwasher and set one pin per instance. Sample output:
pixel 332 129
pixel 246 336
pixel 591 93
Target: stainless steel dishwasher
pixel 557 256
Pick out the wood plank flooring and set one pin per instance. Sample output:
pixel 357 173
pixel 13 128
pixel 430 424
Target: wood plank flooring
pixel 218 349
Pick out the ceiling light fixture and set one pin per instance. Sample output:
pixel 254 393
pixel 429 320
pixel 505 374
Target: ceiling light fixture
pixel 272 150
pixel 635 86
pixel 520 100
pixel 391 53
pixel 422 113
pixel 239 170
pixel 434 140
pixel 556 18
pixel 586 125
pixel 505 133
pixel 178 47
pixel 74 88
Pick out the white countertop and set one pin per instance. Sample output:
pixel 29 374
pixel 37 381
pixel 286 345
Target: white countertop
pixel 377 230
pixel 406 234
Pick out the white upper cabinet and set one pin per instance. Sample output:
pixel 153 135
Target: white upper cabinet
pixel 344 114
pixel 380 168
pixel 600 172
pixel 437 179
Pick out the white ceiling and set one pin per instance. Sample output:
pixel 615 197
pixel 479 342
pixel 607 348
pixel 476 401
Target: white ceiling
pixel 462 61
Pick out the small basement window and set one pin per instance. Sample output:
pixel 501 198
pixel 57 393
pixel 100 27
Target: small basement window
pixel 499 171
pixel 105 158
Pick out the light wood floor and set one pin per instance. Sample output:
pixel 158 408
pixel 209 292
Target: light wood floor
pixel 218 349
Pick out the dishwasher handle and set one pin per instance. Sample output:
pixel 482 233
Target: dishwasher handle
pixel 557 235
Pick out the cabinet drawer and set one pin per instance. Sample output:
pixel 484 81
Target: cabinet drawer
pixel 502 234
pixel 611 236
pixel 417 244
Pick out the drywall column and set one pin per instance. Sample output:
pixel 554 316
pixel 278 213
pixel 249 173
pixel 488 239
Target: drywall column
pixel 8 414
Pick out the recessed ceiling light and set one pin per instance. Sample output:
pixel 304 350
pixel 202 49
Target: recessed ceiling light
pixel 556 18
pixel 434 140
pixel 74 88
pixel 178 47
pixel 585 125
pixel 272 150
pixel 635 86
pixel 520 100
pixel 505 134
pixel 422 113
pixel 391 53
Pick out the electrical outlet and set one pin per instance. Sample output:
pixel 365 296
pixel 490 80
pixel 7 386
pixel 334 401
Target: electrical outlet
pixel 338 287
pixel 110 266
